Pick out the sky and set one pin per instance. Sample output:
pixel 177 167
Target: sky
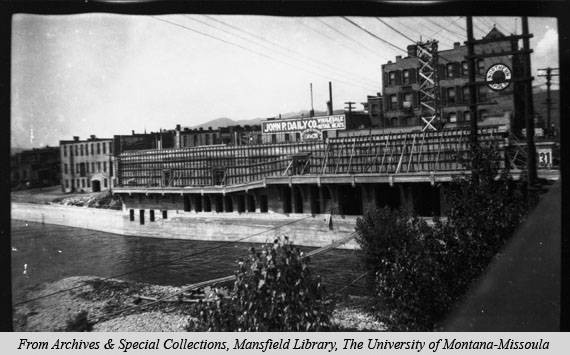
pixel 106 74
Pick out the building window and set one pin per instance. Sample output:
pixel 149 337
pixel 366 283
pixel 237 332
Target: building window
pixel 92 167
pixel 394 121
pixel 273 138
pixel 65 168
pixel 104 148
pixel 287 138
pixel 66 184
pixel 393 102
pixel 464 68
pixel 466 94
pixel 408 100
pixel 451 95
pixel 82 170
pixel 88 183
pixel 480 66
pixel 105 166
pixel 467 115
pixel 452 117
pixel 482 93
pixel 298 136
pixel 325 134
pixel 64 150
pixel 78 183
pixel 83 183
pixel 449 69
pixel 104 182
pixel 99 166
pixel 406 77
pixel 77 168
pixel 207 139
pixel 392 78
pixel 76 151
pixel 110 147
pixel 91 148
pixel 98 148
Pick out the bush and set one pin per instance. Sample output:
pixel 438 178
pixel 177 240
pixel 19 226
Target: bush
pixel 79 323
pixel 418 272
pixel 274 291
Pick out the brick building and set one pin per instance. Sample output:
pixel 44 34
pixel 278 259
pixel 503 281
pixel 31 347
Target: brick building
pixel 401 106
pixel 86 165
pixel 35 168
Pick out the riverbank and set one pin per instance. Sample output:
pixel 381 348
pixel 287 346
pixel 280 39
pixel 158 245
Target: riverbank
pixel 306 230
pixel 104 297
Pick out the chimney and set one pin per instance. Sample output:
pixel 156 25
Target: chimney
pixel 92 136
pixel 398 57
pixel 133 132
pixel 456 45
pixel 76 138
pixel 330 102
pixel 178 127
pixel 412 50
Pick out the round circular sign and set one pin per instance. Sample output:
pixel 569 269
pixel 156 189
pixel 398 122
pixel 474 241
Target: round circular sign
pixel 498 77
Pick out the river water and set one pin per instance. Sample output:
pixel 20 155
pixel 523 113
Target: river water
pixel 46 252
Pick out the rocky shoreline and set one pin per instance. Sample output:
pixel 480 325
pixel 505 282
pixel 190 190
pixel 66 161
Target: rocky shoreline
pixel 103 298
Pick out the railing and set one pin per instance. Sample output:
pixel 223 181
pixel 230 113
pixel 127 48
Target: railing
pixel 410 152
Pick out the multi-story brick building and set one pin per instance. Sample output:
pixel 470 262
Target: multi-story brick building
pixel 37 167
pixel 86 165
pixel 401 106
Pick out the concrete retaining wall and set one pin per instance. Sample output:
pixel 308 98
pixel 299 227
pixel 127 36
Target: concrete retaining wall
pixel 301 229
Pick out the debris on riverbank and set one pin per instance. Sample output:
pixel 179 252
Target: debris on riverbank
pixel 54 195
pixel 102 299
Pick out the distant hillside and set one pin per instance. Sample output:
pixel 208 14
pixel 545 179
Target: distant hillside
pixel 224 121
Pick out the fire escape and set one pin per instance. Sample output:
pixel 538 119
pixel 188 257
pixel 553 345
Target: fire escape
pixel 429 85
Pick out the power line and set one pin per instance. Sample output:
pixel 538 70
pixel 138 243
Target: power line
pixel 281 47
pixel 170 261
pixel 395 30
pixel 444 28
pixel 352 40
pixel 374 35
pixel 258 53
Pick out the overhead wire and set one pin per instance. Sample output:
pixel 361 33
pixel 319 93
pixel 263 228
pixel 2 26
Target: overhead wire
pixel 394 29
pixel 350 39
pixel 286 50
pixel 374 35
pixel 328 77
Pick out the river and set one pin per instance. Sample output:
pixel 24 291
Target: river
pixel 46 252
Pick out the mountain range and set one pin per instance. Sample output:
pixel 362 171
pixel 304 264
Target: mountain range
pixel 225 121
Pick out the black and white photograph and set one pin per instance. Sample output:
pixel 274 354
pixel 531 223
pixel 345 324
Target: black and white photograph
pixel 206 171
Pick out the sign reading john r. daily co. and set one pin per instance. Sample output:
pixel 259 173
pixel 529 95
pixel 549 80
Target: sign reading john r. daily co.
pixel 323 123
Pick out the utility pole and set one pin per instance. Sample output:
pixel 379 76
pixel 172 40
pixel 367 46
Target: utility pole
pixel 330 102
pixel 472 100
pixel 549 74
pixel 529 107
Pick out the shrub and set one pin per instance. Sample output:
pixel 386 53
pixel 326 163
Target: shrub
pixel 79 323
pixel 418 272
pixel 274 290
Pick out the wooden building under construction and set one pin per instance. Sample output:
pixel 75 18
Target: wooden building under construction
pixel 346 175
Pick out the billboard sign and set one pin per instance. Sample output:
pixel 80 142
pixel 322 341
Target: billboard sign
pixel 319 124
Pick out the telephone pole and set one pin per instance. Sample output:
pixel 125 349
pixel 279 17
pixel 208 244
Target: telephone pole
pixel 529 107
pixel 472 99
pixel 548 73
